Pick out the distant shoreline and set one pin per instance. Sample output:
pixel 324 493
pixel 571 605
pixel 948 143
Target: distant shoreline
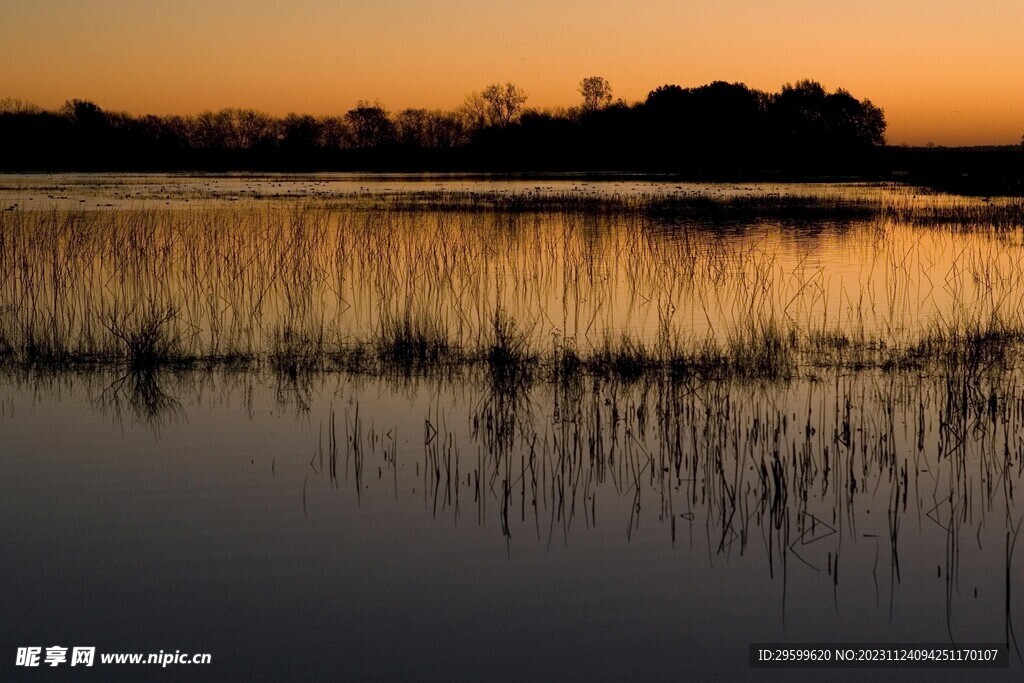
pixel 978 170
pixel 987 170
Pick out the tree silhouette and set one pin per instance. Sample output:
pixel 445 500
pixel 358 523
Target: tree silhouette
pixel 233 129
pixel 715 127
pixel 370 125
pixel 474 112
pixel 413 127
pixel 810 117
pixel 666 97
pixel 422 128
pixel 300 134
pixel 334 133
pixel 716 130
pixel 84 115
pixel 596 92
pixel 448 130
pixel 251 128
pixel 504 102
pixel 14 105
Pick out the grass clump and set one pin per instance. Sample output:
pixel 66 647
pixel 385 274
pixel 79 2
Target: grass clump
pixel 566 364
pixel 411 341
pixel 294 351
pixel 507 354
pixel 763 349
pixel 147 338
pixel 976 346
pixel 626 359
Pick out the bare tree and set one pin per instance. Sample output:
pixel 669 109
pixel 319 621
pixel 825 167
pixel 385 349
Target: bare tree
pixel 431 129
pixel 251 128
pixel 597 93
pixel 334 132
pixel 504 102
pixel 232 129
pixel 370 125
pixel 413 127
pixel 14 105
pixel 210 130
pixel 474 112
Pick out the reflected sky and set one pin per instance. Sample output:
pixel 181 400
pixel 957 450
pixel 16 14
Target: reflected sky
pixel 447 531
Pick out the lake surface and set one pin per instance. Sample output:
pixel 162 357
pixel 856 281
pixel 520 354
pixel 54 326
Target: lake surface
pixel 285 490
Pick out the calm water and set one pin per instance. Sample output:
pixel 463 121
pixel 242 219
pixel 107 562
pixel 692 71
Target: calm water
pixel 442 524
pixel 446 531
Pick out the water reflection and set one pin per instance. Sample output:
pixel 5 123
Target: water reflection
pixel 140 396
pixel 867 487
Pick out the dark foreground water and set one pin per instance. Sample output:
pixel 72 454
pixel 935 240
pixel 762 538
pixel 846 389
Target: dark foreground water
pixel 450 528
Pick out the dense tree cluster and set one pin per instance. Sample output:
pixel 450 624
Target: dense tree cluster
pixel 719 128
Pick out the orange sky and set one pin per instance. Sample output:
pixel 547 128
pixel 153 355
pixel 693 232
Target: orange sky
pixel 945 71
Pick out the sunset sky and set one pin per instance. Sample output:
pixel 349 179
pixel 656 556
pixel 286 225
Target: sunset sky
pixel 945 71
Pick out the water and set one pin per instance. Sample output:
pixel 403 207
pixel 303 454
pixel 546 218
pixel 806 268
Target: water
pixel 107 190
pixel 427 522
pixel 228 523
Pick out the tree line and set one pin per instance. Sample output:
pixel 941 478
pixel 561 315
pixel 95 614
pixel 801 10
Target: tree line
pixel 715 129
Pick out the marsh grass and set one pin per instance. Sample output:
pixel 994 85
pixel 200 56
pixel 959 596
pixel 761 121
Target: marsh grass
pixel 525 285
pixel 294 351
pixel 695 206
pixel 148 337
pixel 507 354
pixel 412 341
pixel 902 204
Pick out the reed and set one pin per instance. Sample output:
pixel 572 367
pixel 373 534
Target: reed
pixel 525 284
